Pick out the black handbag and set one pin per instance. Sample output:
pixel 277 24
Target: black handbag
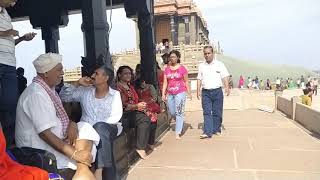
pixel 35 157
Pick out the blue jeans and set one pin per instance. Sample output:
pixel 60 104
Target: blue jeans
pixel 8 100
pixel 176 104
pixel 212 105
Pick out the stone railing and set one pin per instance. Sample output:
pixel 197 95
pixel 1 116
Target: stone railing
pixel 285 106
pixel 304 115
pixel 182 48
pixel 308 117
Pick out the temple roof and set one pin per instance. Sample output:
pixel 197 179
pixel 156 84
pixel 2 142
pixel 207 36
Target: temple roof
pixel 178 7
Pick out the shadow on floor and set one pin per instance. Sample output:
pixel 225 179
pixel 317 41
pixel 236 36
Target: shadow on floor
pixel 186 126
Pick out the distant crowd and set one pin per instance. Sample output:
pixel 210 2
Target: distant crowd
pixel 279 84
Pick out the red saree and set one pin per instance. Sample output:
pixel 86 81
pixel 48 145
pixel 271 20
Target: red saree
pixel 153 108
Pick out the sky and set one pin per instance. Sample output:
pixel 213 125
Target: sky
pixel 266 31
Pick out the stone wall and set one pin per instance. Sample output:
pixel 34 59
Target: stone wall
pixel 284 105
pixel 308 117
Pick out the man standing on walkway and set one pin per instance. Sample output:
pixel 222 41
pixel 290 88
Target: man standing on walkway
pixel 8 77
pixel 211 73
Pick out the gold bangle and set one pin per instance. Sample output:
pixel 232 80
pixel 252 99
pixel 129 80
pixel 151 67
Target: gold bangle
pixel 73 154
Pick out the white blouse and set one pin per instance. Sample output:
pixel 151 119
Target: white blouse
pixel 107 109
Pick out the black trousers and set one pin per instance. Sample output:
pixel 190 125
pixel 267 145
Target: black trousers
pixel 152 134
pixel 104 157
pixel 140 121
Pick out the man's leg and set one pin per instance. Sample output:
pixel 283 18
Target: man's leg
pixel 104 163
pixel 207 113
pixel 217 108
pixel 8 102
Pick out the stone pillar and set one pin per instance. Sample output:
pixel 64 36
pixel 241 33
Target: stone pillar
pixel 294 101
pixel 95 34
pixel 173 30
pixel 276 94
pixel 187 32
pixel 193 29
pixel 147 44
pixel 50 35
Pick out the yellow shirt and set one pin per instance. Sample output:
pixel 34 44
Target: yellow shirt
pixel 306 100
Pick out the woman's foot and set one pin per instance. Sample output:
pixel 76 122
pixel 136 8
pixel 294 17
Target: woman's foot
pixel 142 154
pixel 178 136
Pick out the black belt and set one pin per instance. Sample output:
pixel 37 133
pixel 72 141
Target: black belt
pixel 211 89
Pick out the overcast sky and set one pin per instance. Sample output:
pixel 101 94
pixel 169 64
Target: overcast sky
pixel 268 31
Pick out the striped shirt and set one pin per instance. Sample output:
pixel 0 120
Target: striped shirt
pixel 7 44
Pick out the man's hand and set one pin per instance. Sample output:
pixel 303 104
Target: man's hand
pixel 28 36
pixel 72 133
pixel 85 81
pixel 227 91
pixel 83 156
pixel 11 32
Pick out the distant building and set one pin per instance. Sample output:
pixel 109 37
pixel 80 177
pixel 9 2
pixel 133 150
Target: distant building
pixel 179 21
pixel 72 75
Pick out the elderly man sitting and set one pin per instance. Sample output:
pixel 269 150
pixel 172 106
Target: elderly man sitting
pixel 43 123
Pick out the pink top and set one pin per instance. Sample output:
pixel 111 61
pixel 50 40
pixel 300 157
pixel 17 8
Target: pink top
pixel 175 79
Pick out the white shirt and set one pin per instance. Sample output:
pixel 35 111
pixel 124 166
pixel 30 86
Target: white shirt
pixel 278 82
pixel 107 109
pixel 211 75
pixel 36 113
pixel 7 44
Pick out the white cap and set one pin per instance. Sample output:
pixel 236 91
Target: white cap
pixel 46 62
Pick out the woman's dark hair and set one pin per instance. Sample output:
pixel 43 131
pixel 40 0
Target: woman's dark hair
pixel 109 72
pixel 121 68
pixel 177 53
pixel 138 82
pixel 165 58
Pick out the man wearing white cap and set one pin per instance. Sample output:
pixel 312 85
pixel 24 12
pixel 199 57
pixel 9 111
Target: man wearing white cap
pixel 42 122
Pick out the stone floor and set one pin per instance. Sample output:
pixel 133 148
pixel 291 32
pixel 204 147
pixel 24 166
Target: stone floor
pixel 255 145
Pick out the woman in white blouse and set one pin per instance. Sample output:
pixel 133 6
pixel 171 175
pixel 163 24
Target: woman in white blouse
pixel 102 108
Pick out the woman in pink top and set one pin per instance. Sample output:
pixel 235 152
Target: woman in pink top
pixel 175 86
pixel 241 82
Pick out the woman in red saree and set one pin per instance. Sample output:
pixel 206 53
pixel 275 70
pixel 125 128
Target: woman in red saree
pixel 147 93
pixel 11 170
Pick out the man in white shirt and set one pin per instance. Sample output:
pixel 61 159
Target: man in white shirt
pixel 8 77
pixel 42 122
pixel 210 76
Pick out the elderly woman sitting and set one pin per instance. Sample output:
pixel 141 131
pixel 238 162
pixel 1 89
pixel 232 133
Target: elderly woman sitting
pixel 101 108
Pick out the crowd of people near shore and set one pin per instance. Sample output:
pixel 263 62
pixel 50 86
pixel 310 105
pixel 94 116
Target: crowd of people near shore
pixel 279 83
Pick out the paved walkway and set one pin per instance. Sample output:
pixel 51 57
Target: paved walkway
pixel 255 146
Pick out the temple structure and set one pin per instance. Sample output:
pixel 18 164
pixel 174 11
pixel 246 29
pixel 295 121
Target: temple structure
pixel 179 21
